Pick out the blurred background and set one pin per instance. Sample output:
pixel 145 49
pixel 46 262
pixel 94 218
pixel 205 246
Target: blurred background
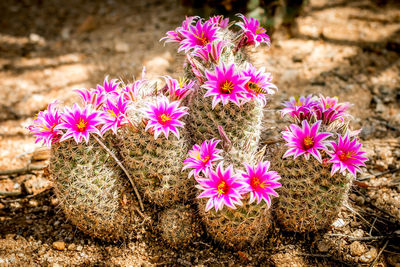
pixel 348 49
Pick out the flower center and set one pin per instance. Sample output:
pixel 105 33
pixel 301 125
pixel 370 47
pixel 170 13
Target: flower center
pixel 202 39
pixel 227 87
pixel 81 125
pixel 165 117
pixel 222 188
pixel 299 104
pixel 343 156
pixel 255 183
pixel 308 142
pixel 111 113
pixel 205 159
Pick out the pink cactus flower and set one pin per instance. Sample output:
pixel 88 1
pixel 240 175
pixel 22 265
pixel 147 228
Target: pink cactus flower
pixel 329 110
pixel 219 21
pixel 222 187
pixel 259 85
pixel 253 33
pixel 260 182
pixel 177 35
pixel 80 123
pixel 225 85
pixel 300 108
pixel 201 158
pixel 211 53
pixel 115 114
pixel 178 89
pixel 305 141
pixel 44 125
pixel 347 155
pixel 164 116
pixel 92 97
pixel 108 87
pixel 198 36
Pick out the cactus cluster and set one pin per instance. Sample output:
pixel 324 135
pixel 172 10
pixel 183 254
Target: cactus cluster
pixel 124 160
pixel 326 156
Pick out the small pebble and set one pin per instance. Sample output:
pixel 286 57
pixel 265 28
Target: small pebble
pixel 71 246
pixel 357 249
pixel 59 245
pixel 79 248
pixel 369 256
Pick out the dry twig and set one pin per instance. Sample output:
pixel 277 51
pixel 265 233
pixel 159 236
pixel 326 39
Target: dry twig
pixel 123 168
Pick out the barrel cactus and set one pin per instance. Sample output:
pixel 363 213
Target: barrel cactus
pixel 155 161
pixel 326 155
pixel 94 191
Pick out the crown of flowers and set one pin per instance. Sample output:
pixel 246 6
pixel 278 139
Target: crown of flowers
pixel 205 41
pixel 227 187
pixel 338 144
pixel 105 108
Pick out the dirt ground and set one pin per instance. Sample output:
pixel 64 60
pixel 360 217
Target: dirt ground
pixel 348 49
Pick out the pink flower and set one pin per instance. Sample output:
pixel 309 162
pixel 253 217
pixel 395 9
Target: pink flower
pixel 164 117
pixel 198 36
pixel 260 182
pixel 44 124
pixel 177 35
pixel 347 155
pixel 222 187
pixel 219 21
pixel 202 158
pixel 92 97
pixel 253 33
pixel 329 110
pixel 259 84
pixel 109 87
pixel 211 53
pixel 80 123
pixel 305 140
pixel 115 114
pixel 300 108
pixel 225 85
pixel 178 90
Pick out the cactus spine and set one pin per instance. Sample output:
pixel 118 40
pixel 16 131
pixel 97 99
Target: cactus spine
pixel 93 192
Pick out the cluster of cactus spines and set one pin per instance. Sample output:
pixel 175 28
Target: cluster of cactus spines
pixel 155 164
pixel 245 225
pixel 93 192
pixel 178 226
pixel 310 198
pixel 326 157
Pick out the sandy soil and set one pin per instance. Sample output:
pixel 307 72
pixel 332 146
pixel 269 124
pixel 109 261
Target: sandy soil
pixel 348 49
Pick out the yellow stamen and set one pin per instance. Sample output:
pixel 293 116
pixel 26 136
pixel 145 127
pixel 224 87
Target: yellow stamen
pixel 111 113
pixel 165 117
pixel 222 188
pixel 255 182
pixel 81 125
pixel 197 156
pixel 227 87
pixel 259 30
pixel 182 81
pixel 348 155
pixel 308 141
pixel 203 39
